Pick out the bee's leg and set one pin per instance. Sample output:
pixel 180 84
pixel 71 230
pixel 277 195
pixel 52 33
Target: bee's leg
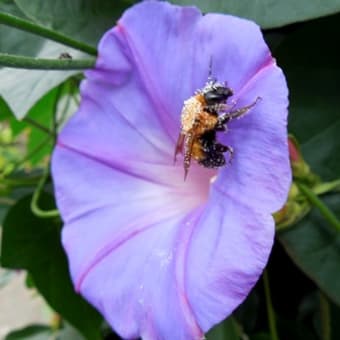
pixel 179 146
pixel 219 108
pixel 188 144
pixel 231 153
pixel 233 104
pixel 243 110
pixel 220 127
pixel 226 107
pixel 228 116
pixel 225 148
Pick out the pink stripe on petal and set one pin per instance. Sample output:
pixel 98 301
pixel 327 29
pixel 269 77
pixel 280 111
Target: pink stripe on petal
pixel 150 87
pixel 117 241
pixel 181 263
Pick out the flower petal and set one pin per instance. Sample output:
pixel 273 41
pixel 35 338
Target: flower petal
pixel 227 252
pixel 173 52
pixel 104 132
pixel 155 266
pixel 120 236
pixel 259 175
pixel 159 257
pixel 142 78
pixel 122 201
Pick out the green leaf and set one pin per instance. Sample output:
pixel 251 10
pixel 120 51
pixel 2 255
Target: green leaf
pixel 226 330
pixel 22 95
pixel 14 41
pixel 69 333
pixel 293 329
pixel 335 322
pixel 82 20
pixel 268 13
pixel 5 111
pixel 309 58
pixel 8 6
pixel 247 313
pixel 33 332
pixel 9 199
pixel 39 143
pixel 261 336
pixel 315 247
pixel 34 244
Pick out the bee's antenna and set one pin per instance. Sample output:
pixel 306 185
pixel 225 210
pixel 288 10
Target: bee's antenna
pixel 210 76
pixel 210 69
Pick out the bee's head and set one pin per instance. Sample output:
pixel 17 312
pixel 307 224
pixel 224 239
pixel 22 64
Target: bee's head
pixel 216 93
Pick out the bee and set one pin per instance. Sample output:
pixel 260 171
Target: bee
pixel 202 116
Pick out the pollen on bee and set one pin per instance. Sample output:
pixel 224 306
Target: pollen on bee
pixel 191 109
pixel 204 115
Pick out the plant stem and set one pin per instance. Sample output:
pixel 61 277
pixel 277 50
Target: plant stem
pixel 324 210
pixel 35 199
pixel 325 318
pixel 65 110
pixel 325 187
pixel 14 182
pixel 38 126
pixel 28 26
pixel 54 123
pixel 9 60
pixel 270 309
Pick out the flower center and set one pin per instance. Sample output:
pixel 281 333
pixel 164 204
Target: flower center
pixel 194 191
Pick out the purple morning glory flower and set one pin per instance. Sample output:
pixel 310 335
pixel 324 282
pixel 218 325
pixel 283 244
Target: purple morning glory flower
pixel 159 257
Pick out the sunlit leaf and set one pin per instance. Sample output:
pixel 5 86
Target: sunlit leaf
pixel 33 332
pixel 21 88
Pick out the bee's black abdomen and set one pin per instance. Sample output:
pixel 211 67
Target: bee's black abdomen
pixel 213 151
pixel 213 160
